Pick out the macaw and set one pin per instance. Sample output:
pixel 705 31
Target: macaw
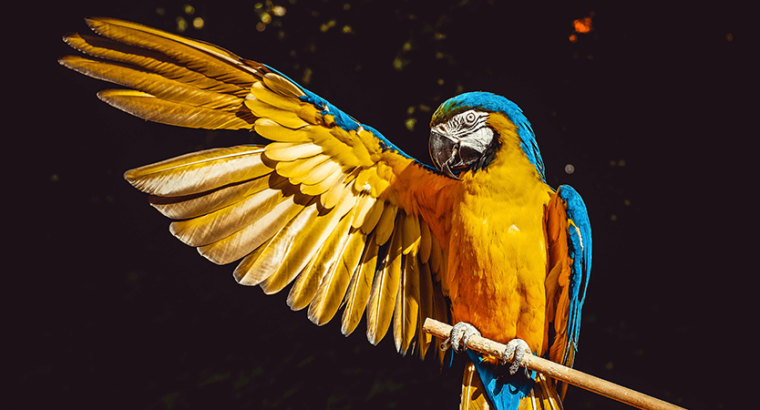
pixel 334 208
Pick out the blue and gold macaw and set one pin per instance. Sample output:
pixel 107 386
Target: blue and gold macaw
pixel 335 209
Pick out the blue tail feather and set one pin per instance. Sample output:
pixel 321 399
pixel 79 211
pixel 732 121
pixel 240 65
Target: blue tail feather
pixel 504 391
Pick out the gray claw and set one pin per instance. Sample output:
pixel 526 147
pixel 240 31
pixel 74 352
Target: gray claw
pixel 461 333
pixel 517 348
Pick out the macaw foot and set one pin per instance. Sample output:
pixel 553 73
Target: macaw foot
pixel 516 350
pixel 461 333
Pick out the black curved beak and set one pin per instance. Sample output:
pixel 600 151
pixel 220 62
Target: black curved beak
pixel 452 156
pixel 445 154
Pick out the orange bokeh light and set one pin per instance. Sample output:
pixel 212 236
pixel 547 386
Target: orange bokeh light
pixel 573 38
pixel 582 25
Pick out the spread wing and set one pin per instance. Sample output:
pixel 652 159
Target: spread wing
pixel 569 236
pixel 330 206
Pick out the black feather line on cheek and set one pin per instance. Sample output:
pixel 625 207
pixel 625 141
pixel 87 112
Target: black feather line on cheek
pixel 489 154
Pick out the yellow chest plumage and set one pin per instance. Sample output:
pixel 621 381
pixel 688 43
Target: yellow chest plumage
pixel 497 259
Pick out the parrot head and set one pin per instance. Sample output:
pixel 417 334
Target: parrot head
pixel 462 138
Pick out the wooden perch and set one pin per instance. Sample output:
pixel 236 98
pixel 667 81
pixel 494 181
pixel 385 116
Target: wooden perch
pixel 558 371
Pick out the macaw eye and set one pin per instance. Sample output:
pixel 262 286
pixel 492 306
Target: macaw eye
pixel 469 118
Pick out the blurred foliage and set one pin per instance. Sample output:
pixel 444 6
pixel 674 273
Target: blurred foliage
pixel 121 315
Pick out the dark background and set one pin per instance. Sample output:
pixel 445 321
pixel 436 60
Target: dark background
pixel 649 107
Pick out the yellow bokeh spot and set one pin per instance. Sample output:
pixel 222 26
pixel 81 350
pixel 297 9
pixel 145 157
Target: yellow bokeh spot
pixel 266 18
pixel 306 75
pixel 613 217
pixel 326 26
pixel 440 81
pixel 346 6
pixel 407 46
pixel 181 24
pixel 410 123
pixel 261 26
pixel 410 110
pixel 189 10
pixel 198 23
pixel 279 11
pixel 347 29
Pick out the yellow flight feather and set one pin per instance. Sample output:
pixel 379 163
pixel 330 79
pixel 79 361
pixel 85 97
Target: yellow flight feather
pixel 339 190
pixel 425 306
pixel 360 286
pixel 191 206
pixel 199 172
pixel 373 216
pixel 333 286
pixel 382 299
pixel 407 304
pixel 322 270
pixel 246 240
pixel 154 84
pixel 412 235
pixel 378 184
pixel 285 118
pixel 150 108
pixel 276 132
pixel 473 395
pixel 332 290
pixel 271 258
pixel 291 151
pixel 345 146
pixel 362 180
pixel 426 242
pixel 440 313
pixel 149 61
pixel 282 86
pixel 386 224
pixel 287 256
pixel 436 256
pixel 222 223
pixel 318 173
pixel 192 53
pixel 267 259
pixel 317 229
pixel 364 205
pixel 336 177
pixel 264 94
pixel 300 167
pixel 243 273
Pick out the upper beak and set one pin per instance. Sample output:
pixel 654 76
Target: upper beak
pixel 445 153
